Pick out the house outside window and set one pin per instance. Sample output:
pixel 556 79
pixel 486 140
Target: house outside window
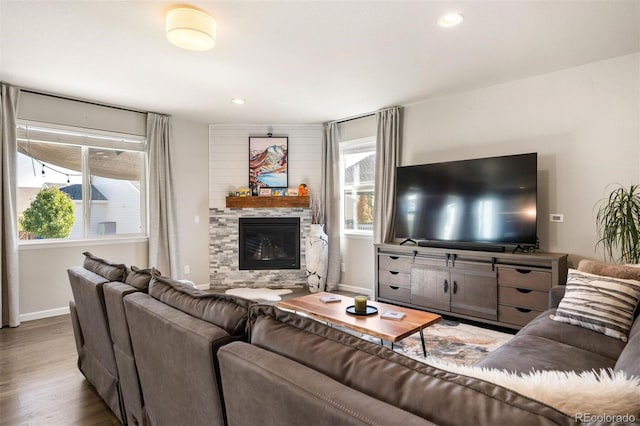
pixel 358 165
pixel 102 173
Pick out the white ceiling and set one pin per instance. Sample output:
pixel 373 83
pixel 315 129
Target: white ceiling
pixel 300 61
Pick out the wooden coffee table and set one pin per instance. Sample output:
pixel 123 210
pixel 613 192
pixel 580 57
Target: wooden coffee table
pixel 373 325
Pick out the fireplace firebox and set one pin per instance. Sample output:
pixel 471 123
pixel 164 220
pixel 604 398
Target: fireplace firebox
pixel 269 243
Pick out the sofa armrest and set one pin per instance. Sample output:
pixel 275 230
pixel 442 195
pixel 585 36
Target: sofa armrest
pixel 555 295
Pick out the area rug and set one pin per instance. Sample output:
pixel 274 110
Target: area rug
pixel 268 294
pixel 450 341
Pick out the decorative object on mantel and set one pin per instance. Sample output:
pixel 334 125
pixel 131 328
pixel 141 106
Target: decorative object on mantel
pixel 268 162
pixel 317 250
pixel 303 190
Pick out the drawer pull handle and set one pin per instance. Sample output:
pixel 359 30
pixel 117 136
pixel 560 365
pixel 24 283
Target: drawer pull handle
pixel 524 271
pixel 394 257
pixel 523 290
pixel 394 287
pixel 455 287
pixel 394 272
pixel 446 286
pixel 523 310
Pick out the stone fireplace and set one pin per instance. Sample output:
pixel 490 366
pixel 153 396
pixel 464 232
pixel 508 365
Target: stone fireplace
pixel 269 243
pixel 224 248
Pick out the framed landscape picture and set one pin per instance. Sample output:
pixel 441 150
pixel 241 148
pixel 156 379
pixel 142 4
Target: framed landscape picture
pixel 268 162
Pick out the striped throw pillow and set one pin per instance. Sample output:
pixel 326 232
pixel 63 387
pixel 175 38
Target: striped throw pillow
pixel 599 303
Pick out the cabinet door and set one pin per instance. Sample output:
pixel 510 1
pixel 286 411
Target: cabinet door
pixel 474 290
pixel 430 287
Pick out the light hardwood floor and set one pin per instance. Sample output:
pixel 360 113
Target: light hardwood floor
pixel 40 383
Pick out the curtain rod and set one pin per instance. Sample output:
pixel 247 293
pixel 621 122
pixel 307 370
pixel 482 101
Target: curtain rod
pixel 84 101
pixel 355 117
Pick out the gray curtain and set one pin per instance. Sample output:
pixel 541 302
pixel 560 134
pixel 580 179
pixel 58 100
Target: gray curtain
pixel 9 302
pixel 387 145
pixel 163 253
pixel 330 197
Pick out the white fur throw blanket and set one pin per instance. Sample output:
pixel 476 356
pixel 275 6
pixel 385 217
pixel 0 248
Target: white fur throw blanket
pixel 592 393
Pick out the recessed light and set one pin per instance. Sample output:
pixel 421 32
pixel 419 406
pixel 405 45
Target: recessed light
pixel 450 20
pixel 237 101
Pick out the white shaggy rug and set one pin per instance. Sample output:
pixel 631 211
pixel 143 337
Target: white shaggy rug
pixel 268 294
pixel 601 393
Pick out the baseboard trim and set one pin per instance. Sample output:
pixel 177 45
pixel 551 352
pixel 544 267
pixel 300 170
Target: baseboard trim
pixel 360 290
pixel 31 316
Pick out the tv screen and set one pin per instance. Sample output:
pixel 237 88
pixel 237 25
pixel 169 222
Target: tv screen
pixel 488 201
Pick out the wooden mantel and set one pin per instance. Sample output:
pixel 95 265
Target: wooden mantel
pixel 266 202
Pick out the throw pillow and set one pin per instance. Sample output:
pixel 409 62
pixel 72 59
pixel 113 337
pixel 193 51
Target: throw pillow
pixel 599 303
pixel 139 278
pixel 109 270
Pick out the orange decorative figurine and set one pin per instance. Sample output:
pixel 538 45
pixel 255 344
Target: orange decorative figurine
pixel 303 190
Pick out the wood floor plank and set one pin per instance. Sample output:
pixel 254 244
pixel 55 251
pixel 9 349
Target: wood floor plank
pixel 40 383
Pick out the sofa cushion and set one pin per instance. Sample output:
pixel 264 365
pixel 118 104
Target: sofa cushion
pixel 600 303
pixel 578 337
pixel 140 278
pixel 108 270
pixel 228 312
pixel 524 354
pixel 390 377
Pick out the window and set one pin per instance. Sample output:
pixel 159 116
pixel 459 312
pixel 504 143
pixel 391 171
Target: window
pixel 101 174
pixel 358 165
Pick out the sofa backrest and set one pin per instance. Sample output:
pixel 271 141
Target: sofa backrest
pixel 114 294
pixel 226 311
pixel 431 393
pixel 264 388
pixel 175 333
pixel 96 359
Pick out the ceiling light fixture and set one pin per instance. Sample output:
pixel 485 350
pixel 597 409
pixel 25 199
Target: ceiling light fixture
pixel 237 101
pixel 450 20
pixel 191 29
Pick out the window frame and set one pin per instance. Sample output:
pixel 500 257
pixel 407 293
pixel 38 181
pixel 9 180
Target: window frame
pixel 86 139
pixel 353 146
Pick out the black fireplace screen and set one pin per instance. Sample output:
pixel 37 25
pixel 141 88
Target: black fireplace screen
pixel 269 243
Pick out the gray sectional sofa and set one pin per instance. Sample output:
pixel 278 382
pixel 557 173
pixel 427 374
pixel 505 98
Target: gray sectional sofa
pixel 189 357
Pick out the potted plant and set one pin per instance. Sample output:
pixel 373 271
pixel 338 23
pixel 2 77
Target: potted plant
pixel 618 223
pixel 316 249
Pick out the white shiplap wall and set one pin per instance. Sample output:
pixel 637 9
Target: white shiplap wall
pixel 229 156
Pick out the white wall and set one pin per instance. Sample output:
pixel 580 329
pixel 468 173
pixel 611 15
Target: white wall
pixel 582 122
pixel 44 284
pixel 190 164
pixel 229 156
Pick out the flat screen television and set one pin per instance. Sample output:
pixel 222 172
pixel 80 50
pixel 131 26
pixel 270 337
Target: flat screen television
pixel 484 204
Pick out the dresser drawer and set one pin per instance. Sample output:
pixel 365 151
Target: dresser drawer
pixel 394 263
pixel 398 279
pixel 516 316
pixel 401 294
pixel 524 278
pixel 523 298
